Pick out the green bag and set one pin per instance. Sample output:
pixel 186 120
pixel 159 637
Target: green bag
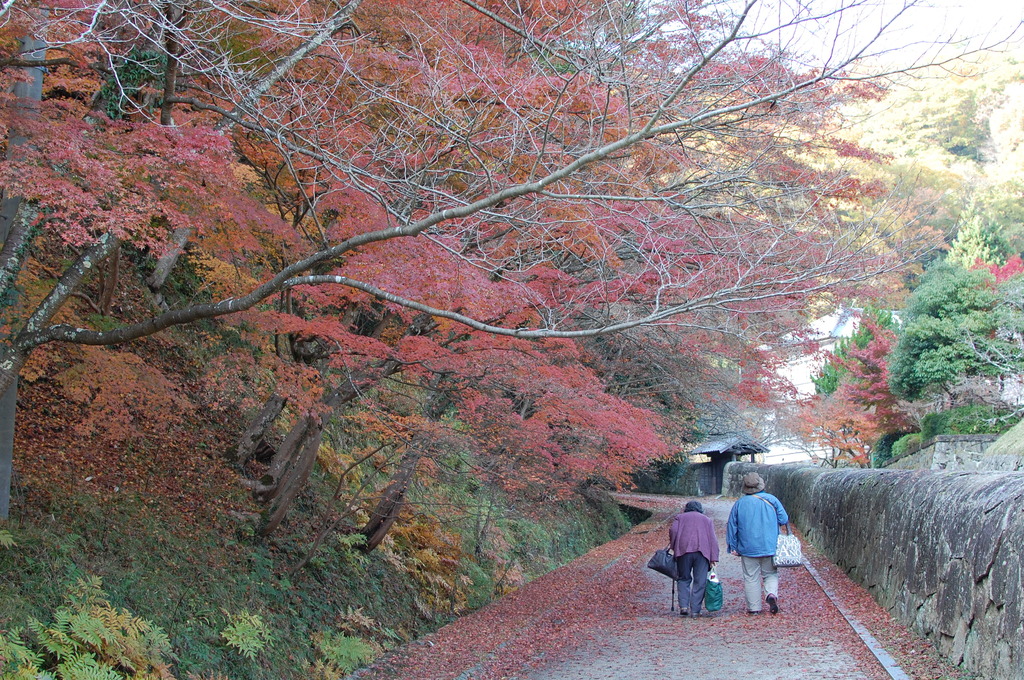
pixel 713 593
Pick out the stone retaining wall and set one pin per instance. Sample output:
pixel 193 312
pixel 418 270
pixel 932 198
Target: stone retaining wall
pixel 957 452
pixel 942 551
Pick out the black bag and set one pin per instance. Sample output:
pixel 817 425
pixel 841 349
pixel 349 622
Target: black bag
pixel 664 562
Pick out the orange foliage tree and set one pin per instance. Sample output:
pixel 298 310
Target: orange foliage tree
pixel 841 428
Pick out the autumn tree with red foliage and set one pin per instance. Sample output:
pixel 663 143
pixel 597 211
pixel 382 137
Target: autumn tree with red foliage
pixel 1014 267
pixel 867 380
pixel 449 194
pixel 862 408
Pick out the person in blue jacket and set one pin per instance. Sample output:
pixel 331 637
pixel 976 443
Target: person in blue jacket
pixel 752 533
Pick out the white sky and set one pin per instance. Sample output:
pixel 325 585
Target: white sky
pixel 977 16
pixel 975 23
pixel 910 33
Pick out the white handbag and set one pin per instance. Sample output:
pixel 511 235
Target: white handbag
pixel 788 552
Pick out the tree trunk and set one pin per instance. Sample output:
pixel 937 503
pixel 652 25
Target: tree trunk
pixel 293 463
pixel 386 512
pixel 14 255
pixel 257 430
pixel 166 262
pixel 333 400
pixel 272 483
pixel 110 280
pixel 283 341
pixel 8 402
pixel 175 19
pixel 294 460
pixel 16 232
pixel 298 474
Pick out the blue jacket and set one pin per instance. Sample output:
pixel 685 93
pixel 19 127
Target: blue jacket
pixel 753 529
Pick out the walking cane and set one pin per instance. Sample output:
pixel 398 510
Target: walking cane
pixel 672 606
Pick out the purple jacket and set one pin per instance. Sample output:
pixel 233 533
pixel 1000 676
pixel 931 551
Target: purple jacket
pixel 693 532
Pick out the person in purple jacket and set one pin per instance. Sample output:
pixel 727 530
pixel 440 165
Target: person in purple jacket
pixel 693 542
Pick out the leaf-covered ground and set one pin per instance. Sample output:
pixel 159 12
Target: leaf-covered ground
pixel 606 616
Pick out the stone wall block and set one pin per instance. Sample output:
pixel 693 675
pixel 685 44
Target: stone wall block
pixel 999 502
pixel 954 599
pixel 1007 578
pixel 974 453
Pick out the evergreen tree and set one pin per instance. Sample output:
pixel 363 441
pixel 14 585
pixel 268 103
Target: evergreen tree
pixel 978 239
pixel 948 318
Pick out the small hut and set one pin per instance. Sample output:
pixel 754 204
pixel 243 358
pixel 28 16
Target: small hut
pixel 710 458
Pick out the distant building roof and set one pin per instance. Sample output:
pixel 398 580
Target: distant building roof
pixel 738 445
pixel 841 323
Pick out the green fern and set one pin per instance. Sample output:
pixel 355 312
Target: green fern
pixel 343 652
pixel 17 660
pixel 54 638
pixel 85 592
pixel 6 539
pixel 247 633
pixel 86 667
pixel 89 628
pixel 89 639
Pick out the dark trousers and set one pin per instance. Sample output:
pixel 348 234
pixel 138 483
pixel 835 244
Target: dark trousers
pixel 693 578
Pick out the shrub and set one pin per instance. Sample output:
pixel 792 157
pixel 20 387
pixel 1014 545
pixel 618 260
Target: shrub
pixel 969 419
pixel 882 451
pixel 933 424
pixel 905 443
pixel 977 420
pixel 480 590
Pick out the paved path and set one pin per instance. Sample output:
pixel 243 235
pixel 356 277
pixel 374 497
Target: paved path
pixel 605 615
pixel 728 644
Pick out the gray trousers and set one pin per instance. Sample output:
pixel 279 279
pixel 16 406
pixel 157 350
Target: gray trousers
pixel 758 570
pixel 693 579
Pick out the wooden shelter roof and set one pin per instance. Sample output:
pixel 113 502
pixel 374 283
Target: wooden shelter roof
pixel 738 445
